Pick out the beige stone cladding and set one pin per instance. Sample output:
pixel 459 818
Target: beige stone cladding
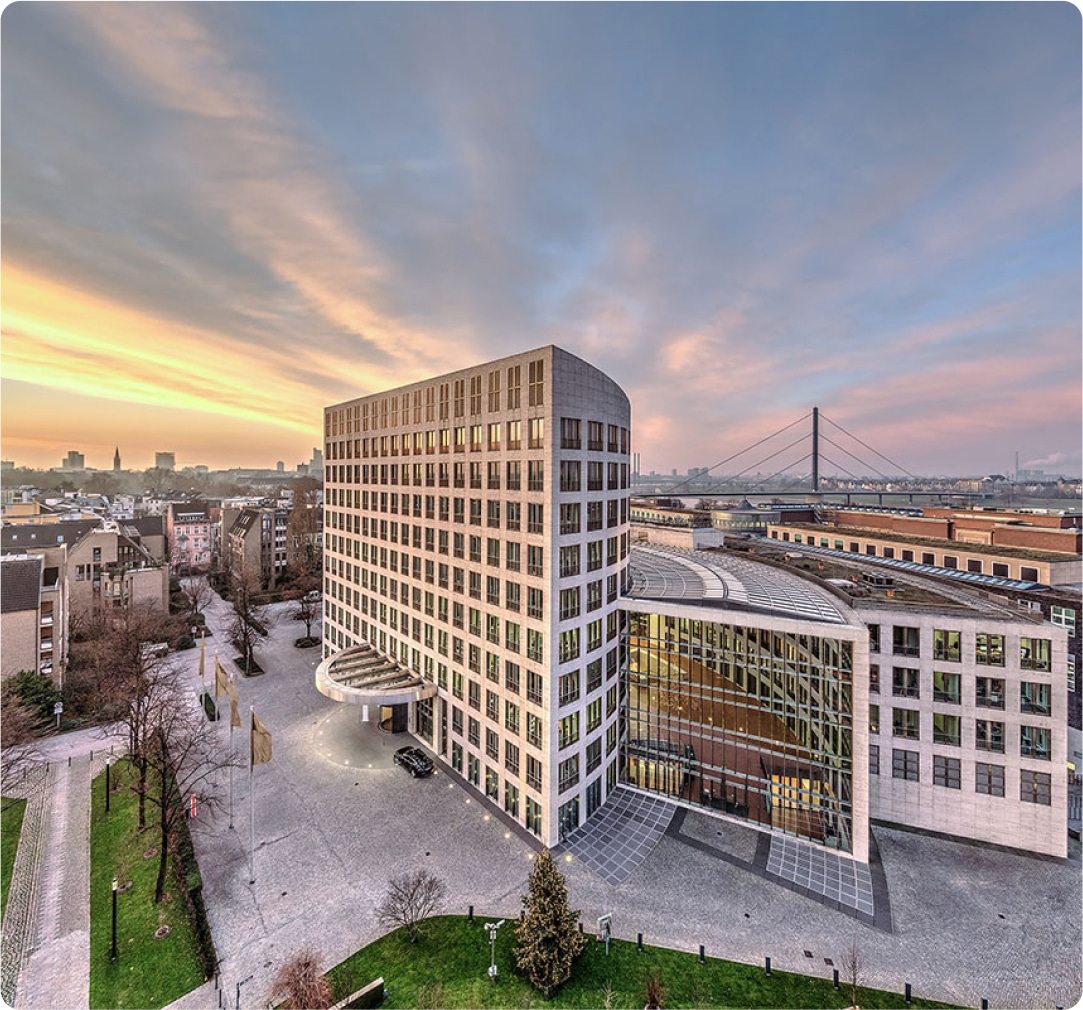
pixel 968 726
pixel 477 531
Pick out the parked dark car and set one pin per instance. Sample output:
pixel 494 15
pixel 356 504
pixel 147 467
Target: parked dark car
pixel 414 760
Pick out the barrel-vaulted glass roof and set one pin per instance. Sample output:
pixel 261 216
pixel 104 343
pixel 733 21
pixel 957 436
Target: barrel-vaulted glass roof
pixel 361 675
pixel 671 575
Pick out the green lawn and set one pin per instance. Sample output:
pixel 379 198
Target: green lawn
pixel 447 968
pixel 148 972
pixel 11 824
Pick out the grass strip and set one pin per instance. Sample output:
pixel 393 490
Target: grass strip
pixel 11 826
pixel 448 968
pixel 149 972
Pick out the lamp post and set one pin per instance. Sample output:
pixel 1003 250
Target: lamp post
pixel 108 764
pixel 113 951
pixel 492 927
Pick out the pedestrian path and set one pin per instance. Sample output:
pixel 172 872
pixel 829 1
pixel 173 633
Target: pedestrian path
pixel 57 968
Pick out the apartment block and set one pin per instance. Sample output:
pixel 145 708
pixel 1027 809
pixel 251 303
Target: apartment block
pixel 476 546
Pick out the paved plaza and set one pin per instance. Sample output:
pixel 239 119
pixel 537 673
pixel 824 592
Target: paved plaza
pixel 335 819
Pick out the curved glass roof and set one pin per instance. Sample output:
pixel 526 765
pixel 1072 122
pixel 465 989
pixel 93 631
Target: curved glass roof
pixel 670 575
pixel 361 675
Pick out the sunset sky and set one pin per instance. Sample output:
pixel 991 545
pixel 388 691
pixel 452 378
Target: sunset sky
pixel 218 219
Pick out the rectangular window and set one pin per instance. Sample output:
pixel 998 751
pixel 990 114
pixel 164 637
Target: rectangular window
pixel 473 731
pixel 570 433
pixel 535 561
pixel 534 685
pixel 569 517
pixel 569 603
pixel 569 560
pixel 536 384
pixel 906 723
pixel 874 638
pixel 535 433
pixel 874 678
pixel 457 757
pixel 1034 654
pixel 511 717
pixel 906 641
pixel 568 730
pixel 594 715
pixel 947 687
pixel 595 516
pixel 535 603
pixel 989 692
pixel 492 744
pixel 1036 787
pixel 535 518
pixel 533 819
pixel 594 755
pixel 989 735
pixel 569 687
pixel 511 799
pixel 533 730
pixel 947 645
pixel 511 677
pixel 1035 698
pixel 905 683
pixel 947 772
pixel 492 783
pixel 874 718
pixel 569 645
pixel 947 729
pixel 533 772
pixel 1034 742
pixel 905 764
pixel 989 779
pixel 515 434
pixel 1063 617
pixel 474 689
pixel 874 759
pixel 568 772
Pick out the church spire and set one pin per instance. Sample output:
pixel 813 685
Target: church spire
pixel 116 459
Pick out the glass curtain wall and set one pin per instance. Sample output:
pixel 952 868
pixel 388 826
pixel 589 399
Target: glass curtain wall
pixel 752 722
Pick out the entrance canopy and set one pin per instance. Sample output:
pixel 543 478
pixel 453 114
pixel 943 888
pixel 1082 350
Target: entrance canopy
pixel 361 675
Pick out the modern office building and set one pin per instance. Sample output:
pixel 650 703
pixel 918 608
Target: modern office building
pixel 481 590
pixel 476 545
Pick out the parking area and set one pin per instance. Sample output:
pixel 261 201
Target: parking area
pixel 334 819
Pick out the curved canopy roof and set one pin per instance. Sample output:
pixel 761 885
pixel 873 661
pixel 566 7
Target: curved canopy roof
pixel 706 579
pixel 361 675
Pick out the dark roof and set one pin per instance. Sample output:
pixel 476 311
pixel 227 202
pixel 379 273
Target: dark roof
pixel 20 538
pixel 148 526
pixel 20 584
pixel 243 522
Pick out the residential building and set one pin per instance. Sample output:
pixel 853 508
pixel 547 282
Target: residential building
pixel 191 531
pixel 165 460
pixel 33 615
pixel 253 542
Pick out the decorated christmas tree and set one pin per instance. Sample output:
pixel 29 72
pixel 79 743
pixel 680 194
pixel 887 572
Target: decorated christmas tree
pixel 549 937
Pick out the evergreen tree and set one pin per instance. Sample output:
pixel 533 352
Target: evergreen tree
pixel 549 937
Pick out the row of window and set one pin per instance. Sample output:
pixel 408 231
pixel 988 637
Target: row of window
pixel 946 646
pixel 989 692
pixel 999 569
pixel 492 512
pixel 573 559
pixel 1034 787
pixel 493 437
pixel 1034 741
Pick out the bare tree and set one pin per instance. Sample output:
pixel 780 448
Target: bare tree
pixel 184 756
pixel 21 738
pixel 197 595
pixel 128 680
pixel 411 898
pixel 302 530
pixel 852 968
pixel 248 617
pixel 298 984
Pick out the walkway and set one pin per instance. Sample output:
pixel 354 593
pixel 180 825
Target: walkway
pixel 46 937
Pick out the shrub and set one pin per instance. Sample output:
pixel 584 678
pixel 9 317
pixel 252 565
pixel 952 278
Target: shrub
pixel 182 642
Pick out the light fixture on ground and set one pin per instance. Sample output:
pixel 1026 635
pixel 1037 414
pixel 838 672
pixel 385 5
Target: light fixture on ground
pixel 492 927
pixel 113 949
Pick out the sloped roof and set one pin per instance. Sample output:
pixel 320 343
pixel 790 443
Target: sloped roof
pixel 20 583
pixel 22 538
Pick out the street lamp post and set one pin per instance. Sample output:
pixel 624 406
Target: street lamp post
pixel 108 764
pixel 492 927
pixel 113 952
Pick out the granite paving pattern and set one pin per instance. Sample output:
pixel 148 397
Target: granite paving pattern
pixel 621 834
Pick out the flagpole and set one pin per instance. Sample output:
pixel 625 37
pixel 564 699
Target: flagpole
pixel 251 812
pixel 231 766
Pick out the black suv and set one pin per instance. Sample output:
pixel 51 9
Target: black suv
pixel 414 760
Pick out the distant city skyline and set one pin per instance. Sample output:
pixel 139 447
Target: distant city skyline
pixel 219 218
